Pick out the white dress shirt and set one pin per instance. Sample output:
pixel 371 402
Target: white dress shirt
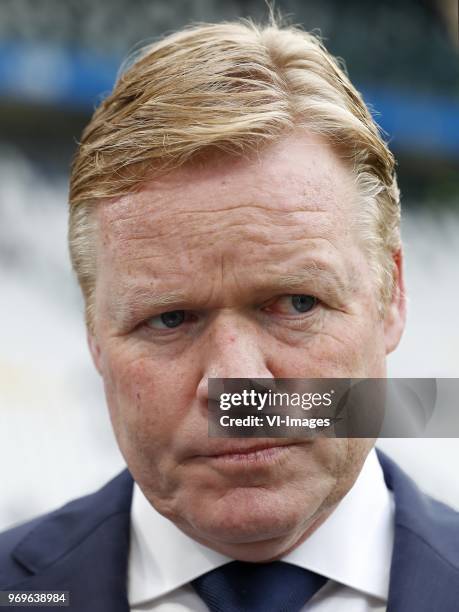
pixel 352 548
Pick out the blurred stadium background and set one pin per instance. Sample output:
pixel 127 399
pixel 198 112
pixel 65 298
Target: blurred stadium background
pixel 57 60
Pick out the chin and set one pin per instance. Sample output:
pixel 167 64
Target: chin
pixel 250 521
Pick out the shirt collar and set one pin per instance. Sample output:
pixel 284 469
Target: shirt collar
pixel 353 546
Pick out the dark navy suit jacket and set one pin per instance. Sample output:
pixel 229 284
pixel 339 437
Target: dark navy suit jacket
pixel 83 548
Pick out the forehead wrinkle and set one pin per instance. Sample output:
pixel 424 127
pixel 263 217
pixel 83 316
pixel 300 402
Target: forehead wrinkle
pixel 252 205
pixel 192 232
pixel 124 212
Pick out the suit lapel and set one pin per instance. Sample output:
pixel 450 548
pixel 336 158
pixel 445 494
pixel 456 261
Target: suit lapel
pixel 83 548
pixel 424 574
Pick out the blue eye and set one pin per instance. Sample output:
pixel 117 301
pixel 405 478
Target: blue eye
pixel 303 303
pixel 293 304
pixel 171 319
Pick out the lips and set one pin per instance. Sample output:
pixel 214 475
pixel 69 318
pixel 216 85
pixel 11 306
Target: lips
pixel 236 447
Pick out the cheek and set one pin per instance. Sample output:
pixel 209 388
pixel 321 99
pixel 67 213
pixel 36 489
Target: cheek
pixel 346 346
pixel 140 397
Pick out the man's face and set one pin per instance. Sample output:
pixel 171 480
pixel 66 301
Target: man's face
pixel 224 247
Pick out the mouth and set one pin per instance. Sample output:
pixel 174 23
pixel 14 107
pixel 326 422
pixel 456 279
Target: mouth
pixel 235 452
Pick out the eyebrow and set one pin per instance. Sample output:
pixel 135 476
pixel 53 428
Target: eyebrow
pixel 318 273
pixel 126 306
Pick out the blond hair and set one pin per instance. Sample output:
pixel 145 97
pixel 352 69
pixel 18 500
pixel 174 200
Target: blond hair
pixel 229 87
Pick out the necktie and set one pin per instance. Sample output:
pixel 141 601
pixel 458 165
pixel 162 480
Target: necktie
pixel 240 586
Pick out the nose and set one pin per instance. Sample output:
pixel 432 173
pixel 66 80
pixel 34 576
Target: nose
pixel 232 349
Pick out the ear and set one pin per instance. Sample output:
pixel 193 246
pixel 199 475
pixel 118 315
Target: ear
pixel 395 317
pixel 94 349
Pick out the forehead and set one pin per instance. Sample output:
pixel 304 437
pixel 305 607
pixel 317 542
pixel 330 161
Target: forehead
pixel 227 211
pixel 299 174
